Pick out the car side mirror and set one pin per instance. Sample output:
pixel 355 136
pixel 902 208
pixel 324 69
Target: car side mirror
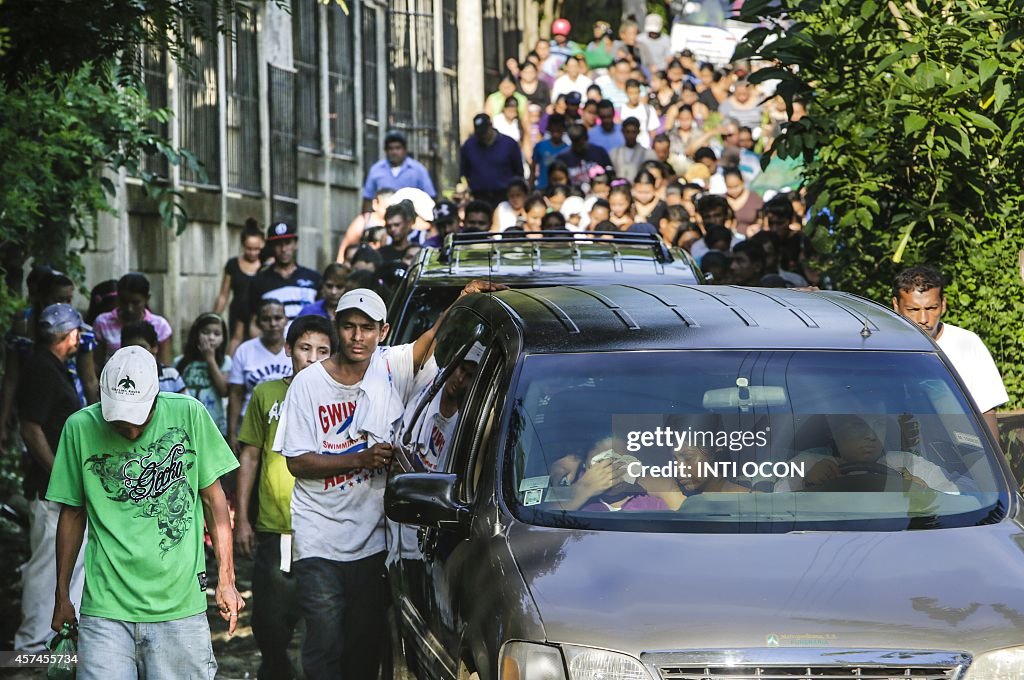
pixel 425 499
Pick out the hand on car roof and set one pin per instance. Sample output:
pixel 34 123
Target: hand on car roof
pixel 481 286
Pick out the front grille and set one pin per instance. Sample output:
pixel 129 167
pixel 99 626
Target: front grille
pixel 823 672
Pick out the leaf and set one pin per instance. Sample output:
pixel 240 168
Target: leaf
pixel 908 50
pixel 897 256
pixel 1002 93
pixel 770 74
pixel 914 122
pixel 979 120
pixel 986 69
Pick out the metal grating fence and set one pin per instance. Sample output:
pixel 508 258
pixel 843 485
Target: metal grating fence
pixel 284 187
pixel 371 114
pixel 341 80
pixel 197 106
pixel 243 111
pixel 306 50
pixel 154 76
pixel 450 141
pixel 412 78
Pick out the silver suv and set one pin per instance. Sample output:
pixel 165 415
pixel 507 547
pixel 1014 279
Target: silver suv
pixel 702 483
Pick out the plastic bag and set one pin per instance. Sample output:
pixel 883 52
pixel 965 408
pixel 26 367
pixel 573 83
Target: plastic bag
pixel 65 652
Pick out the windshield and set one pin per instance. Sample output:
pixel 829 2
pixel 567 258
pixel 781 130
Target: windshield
pixel 748 441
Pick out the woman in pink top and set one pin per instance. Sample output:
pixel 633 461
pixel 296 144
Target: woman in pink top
pixel 132 305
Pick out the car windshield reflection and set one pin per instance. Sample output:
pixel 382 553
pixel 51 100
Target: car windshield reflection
pixel 737 441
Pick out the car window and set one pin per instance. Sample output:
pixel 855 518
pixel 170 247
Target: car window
pixel 432 417
pixel 749 441
pixel 424 307
pixel 474 439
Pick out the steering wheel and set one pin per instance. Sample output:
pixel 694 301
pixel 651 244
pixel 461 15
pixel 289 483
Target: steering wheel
pixel 866 476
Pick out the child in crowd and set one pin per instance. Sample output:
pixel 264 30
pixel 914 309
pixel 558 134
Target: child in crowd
pixel 646 204
pixel 132 305
pixel 142 334
pixel 555 196
pixel 204 367
pixel 646 115
pixel 276 611
pixel 256 361
pixel 600 212
pixel 620 200
pixel 331 287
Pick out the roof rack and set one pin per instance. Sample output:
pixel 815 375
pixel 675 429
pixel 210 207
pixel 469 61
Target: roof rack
pixel 614 240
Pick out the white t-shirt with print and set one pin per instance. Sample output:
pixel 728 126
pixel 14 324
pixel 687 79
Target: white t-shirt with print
pixel 253 364
pixel 340 518
pixel 972 361
pixel 429 443
pixel 649 121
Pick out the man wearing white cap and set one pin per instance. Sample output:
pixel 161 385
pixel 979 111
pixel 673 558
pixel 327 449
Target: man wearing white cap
pixel 143 466
pixel 423 207
pixel 655 46
pixel 338 419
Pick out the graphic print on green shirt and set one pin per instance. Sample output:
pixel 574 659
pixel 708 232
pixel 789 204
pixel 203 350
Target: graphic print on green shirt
pixel 154 481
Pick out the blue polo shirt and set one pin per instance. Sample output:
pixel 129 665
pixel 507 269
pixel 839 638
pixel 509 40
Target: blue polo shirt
pixel 491 168
pixel 607 140
pixel 411 174
pixel 544 154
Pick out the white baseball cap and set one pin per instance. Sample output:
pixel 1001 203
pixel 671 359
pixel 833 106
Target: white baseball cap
pixel 128 385
pixel 422 203
pixel 366 301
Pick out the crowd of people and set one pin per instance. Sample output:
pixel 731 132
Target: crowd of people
pixel 619 135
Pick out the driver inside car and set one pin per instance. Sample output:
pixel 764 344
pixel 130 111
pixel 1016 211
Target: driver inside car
pixel 600 482
pixel 858 447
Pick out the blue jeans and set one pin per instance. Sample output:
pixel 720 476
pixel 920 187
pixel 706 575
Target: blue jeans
pixel 345 607
pixel 169 650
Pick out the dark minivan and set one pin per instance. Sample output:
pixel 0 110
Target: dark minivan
pixel 701 482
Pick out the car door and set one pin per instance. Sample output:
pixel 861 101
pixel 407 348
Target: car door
pixel 455 557
pixel 429 436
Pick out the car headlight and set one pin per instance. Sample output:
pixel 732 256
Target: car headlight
pixel 535 661
pixel 530 661
pixel 1002 664
pixel 586 663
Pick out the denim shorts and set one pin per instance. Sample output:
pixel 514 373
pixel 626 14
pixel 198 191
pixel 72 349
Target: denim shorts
pixel 169 650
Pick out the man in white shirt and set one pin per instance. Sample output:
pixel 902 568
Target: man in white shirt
pixel 917 295
pixel 572 79
pixel 337 421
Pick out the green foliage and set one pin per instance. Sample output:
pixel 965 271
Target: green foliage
pixel 62 136
pixel 913 142
pixel 64 36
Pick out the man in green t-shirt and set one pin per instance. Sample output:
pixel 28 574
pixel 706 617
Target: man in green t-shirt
pixel 143 467
pixel 275 600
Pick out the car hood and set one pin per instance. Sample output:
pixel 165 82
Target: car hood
pixel 951 589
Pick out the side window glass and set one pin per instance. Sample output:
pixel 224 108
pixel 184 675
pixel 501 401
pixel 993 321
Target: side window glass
pixel 433 415
pixel 481 423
